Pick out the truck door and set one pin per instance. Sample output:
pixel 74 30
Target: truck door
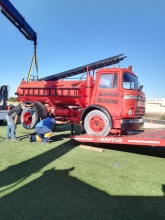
pixel 108 95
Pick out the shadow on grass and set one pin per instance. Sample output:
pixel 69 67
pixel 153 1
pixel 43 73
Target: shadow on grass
pixel 144 150
pixel 19 172
pixel 58 195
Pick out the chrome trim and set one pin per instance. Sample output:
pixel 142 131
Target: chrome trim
pixel 130 97
pixel 143 99
pixel 134 120
pixel 134 97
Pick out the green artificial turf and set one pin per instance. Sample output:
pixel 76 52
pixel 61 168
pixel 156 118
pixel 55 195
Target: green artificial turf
pixel 60 180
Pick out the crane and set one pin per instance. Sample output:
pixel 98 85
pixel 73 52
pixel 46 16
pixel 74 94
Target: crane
pixel 12 14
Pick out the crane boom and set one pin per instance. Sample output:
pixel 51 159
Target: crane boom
pixel 11 13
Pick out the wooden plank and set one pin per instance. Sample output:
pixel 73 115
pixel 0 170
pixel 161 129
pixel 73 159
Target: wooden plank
pixel 92 148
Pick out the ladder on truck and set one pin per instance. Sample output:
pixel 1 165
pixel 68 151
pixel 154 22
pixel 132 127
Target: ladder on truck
pixel 82 69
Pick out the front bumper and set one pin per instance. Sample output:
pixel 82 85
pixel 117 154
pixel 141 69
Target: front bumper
pixel 132 124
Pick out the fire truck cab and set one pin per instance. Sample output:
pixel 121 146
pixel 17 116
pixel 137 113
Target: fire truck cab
pixel 118 91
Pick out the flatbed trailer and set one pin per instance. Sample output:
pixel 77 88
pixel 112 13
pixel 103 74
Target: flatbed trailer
pixel 141 137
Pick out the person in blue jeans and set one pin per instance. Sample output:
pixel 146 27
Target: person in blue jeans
pixel 12 118
pixel 43 129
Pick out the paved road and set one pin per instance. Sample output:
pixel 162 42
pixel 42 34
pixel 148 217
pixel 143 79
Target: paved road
pixel 154 121
pixel 154 125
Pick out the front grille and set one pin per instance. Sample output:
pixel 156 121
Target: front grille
pixel 140 112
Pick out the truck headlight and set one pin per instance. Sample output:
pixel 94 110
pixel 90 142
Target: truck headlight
pixel 130 112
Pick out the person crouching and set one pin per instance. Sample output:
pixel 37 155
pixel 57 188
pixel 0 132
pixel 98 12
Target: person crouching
pixel 43 129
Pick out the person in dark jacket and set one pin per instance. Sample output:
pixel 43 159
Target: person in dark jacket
pixel 12 118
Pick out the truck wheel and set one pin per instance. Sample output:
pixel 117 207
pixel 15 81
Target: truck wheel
pixel 41 110
pixel 29 118
pixel 97 123
pixel 1 121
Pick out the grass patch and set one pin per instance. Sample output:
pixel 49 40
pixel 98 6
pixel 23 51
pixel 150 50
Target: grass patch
pixel 162 117
pixel 63 181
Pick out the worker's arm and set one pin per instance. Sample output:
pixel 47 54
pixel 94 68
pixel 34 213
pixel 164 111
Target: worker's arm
pixel 62 122
pixel 54 121
pixel 58 117
pixel 15 119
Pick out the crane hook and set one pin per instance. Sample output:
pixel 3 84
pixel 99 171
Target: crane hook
pixel 34 59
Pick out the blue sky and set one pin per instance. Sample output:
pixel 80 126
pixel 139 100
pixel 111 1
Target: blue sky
pixel 72 33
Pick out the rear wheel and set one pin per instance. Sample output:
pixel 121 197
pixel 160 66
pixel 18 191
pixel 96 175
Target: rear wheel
pixel 97 123
pixel 29 118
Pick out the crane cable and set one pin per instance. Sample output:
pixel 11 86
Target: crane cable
pixel 34 59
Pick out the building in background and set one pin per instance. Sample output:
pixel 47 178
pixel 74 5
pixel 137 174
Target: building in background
pixel 155 105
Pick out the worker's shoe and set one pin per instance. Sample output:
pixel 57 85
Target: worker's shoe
pixel 30 138
pixel 15 139
pixel 37 138
pixel 48 135
pixel 46 142
pixel 8 139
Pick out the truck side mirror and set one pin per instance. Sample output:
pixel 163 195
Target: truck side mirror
pixel 140 88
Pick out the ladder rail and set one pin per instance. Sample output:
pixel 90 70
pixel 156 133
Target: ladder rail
pixel 82 69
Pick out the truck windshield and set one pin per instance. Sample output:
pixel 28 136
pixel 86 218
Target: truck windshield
pixel 130 81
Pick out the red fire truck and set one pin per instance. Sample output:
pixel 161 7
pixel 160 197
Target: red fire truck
pixel 108 101
pixel 109 104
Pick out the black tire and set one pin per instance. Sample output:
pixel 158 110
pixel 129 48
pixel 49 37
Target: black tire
pixel 29 118
pixel 1 121
pixel 96 123
pixel 41 110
